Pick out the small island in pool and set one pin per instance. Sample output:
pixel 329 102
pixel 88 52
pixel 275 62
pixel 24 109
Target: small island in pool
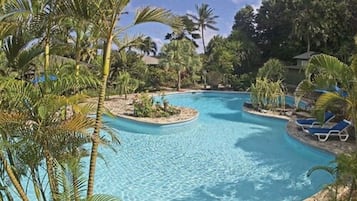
pixel 122 107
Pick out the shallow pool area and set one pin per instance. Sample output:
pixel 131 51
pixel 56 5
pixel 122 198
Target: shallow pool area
pixel 224 154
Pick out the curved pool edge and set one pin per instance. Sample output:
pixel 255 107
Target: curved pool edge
pixel 289 132
pixel 294 133
pixel 196 116
pixel 150 122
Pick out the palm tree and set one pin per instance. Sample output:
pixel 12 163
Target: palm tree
pixel 180 55
pixel 189 31
pixel 204 19
pixel 148 46
pixel 126 84
pixel 327 72
pixel 108 14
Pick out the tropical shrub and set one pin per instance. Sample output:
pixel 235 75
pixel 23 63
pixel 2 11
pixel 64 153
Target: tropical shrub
pixel 158 77
pixel 338 79
pixel 144 107
pixel 126 84
pixel 214 78
pixel 273 69
pixel 344 173
pixel 267 94
pixel 242 82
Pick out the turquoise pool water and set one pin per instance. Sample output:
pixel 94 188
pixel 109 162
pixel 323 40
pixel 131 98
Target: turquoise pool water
pixel 225 154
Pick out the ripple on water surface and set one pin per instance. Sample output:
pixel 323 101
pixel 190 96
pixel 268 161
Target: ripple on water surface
pixel 225 154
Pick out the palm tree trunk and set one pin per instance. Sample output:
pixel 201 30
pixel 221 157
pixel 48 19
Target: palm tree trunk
pixel 37 182
pixel 51 175
pixel 77 53
pixel 47 57
pixel 178 80
pixel 98 122
pixel 203 41
pixel 13 179
pixel 308 43
pixel 75 174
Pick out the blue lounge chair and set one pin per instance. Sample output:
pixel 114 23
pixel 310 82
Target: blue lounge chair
pixel 339 129
pixel 312 122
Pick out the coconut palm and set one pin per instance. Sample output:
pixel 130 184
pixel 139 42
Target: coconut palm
pixel 327 72
pixel 108 13
pixel 40 126
pixel 148 46
pixel 126 84
pixel 79 16
pixel 204 19
pixel 180 55
pixel 188 32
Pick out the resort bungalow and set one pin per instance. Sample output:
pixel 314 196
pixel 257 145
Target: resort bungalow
pixel 302 59
pixel 151 61
pixel 295 72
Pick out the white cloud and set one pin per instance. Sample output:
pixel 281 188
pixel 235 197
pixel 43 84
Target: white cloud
pixel 257 5
pixel 254 3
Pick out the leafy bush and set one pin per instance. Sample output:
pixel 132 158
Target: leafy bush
pixel 158 77
pixel 214 78
pixel 273 69
pixel 145 107
pixel 243 82
pixel 267 94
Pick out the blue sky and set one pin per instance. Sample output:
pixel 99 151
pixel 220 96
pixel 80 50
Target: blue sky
pixel 225 9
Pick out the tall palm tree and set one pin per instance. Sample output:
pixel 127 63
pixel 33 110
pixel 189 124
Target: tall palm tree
pixel 188 32
pixel 148 46
pixel 108 14
pixel 180 55
pixel 37 126
pixel 204 19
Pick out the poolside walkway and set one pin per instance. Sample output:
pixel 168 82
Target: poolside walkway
pixel 332 145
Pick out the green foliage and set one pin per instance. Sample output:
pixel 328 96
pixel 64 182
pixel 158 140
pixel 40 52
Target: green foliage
pixel 144 107
pixel 126 84
pixel 102 197
pixel 39 126
pixel 344 172
pixel 243 82
pixel 204 19
pixel 222 55
pixel 214 78
pixel 180 55
pixel 273 70
pixel 158 77
pixel 267 94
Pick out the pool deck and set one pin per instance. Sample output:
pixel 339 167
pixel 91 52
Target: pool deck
pixel 332 145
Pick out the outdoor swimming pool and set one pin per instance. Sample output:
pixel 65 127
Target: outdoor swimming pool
pixel 225 154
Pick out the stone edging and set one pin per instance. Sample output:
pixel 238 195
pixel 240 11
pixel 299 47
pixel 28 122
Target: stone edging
pixel 162 121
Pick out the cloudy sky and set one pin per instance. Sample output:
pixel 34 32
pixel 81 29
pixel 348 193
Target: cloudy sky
pixel 225 9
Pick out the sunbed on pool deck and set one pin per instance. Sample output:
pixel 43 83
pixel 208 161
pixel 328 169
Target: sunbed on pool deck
pixel 312 122
pixel 339 129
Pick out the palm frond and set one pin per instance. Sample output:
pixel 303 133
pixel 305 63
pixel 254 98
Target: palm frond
pixel 152 14
pixel 331 170
pixel 102 197
pixel 327 99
